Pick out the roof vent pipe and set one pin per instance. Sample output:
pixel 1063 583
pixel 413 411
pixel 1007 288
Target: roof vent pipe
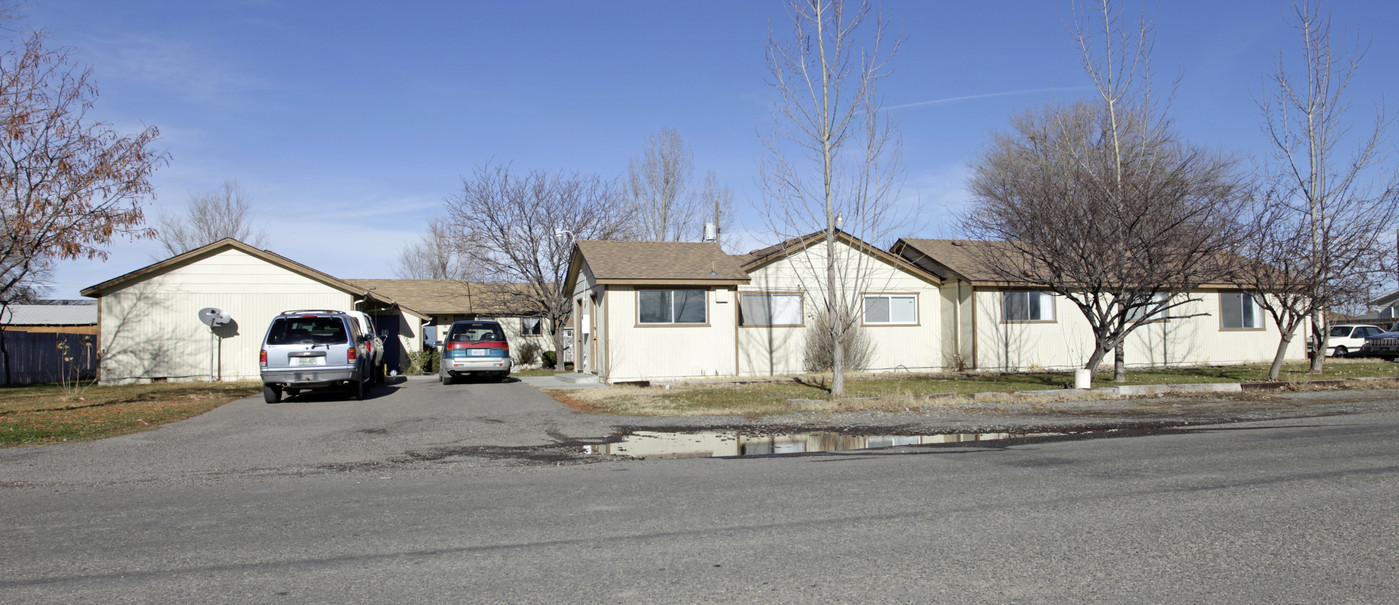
pixel 711 232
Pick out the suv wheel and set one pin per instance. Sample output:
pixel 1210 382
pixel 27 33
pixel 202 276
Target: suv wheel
pixel 357 390
pixel 271 393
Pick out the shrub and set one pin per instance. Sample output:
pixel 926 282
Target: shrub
pixel 422 362
pixel 549 357
pixel 820 346
pixel 528 353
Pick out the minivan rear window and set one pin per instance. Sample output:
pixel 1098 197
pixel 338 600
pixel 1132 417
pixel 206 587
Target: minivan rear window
pixel 476 332
pixel 307 331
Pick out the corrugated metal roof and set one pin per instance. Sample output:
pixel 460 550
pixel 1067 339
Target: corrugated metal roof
pixel 50 315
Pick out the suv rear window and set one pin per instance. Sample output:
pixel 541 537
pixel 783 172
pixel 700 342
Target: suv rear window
pixel 476 332
pixel 307 331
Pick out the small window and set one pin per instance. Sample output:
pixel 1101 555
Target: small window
pixel 1027 305
pixel 1238 311
pixel 770 309
pixel 671 307
pixel 1150 311
pixel 531 326
pixel 891 309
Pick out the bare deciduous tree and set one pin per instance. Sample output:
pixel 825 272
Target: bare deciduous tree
pixel 511 223
pixel 210 216
pixel 664 205
pixel 435 255
pixel 831 155
pixel 69 184
pixel 1101 203
pixel 1326 206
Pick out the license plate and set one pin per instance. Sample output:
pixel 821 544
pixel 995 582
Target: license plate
pixel 307 361
pixel 476 352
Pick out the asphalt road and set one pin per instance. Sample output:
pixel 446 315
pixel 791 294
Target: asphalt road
pixel 432 493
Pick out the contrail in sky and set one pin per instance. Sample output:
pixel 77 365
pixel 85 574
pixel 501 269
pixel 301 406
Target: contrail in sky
pixel 986 96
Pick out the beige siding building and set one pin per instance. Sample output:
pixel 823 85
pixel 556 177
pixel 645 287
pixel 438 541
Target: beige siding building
pixel 1013 327
pixel 150 330
pixel 665 310
pixel 650 310
pixel 898 305
pixel 445 301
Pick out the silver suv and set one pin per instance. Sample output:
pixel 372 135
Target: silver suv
pixel 314 349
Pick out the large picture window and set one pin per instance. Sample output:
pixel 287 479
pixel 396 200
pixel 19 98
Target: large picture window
pixel 671 307
pixel 1027 305
pixel 531 326
pixel 771 309
pixel 889 309
pixel 1238 311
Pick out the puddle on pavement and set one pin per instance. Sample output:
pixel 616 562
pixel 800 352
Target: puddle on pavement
pixel 707 444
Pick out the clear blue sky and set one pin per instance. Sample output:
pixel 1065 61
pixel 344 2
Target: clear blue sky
pixel 350 122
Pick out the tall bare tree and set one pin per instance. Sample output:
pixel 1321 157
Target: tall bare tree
pixel 435 255
pixel 717 198
pixel 1336 199
pixel 664 203
pixel 1100 202
pixel 832 160
pixel 68 184
pixel 512 223
pixel 209 217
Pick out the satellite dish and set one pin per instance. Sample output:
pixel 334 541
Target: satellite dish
pixel 213 317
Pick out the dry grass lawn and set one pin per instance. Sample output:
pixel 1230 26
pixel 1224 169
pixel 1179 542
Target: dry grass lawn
pixel 899 392
pixel 37 415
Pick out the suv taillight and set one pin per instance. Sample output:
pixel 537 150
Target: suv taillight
pixel 262 358
pixel 351 354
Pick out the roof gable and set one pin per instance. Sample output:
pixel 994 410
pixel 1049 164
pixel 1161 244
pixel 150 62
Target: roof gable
pixel 770 254
pixel 193 256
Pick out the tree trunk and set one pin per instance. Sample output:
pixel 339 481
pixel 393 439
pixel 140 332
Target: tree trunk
pixel 557 335
pixel 1119 364
pixel 838 362
pixel 1319 337
pixel 1276 369
pixel 1096 359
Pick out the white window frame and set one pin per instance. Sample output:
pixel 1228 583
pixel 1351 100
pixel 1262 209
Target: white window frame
pixel 748 300
pixel 1043 300
pixel 865 310
pixel 670 307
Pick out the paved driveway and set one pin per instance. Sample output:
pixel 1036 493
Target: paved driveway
pixel 413 416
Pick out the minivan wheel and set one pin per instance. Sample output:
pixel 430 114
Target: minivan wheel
pixel 271 393
pixel 445 378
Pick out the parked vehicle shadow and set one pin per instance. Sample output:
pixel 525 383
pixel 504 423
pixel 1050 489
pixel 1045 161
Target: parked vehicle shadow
pixel 378 391
pixel 473 379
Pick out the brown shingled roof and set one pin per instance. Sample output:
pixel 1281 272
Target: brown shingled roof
pixel 451 297
pixel 963 257
pixel 660 262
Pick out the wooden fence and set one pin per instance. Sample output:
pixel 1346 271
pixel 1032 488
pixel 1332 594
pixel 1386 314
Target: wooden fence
pixel 39 357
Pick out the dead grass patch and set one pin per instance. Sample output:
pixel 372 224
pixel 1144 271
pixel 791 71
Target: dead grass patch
pixel 38 415
pixel 911 392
